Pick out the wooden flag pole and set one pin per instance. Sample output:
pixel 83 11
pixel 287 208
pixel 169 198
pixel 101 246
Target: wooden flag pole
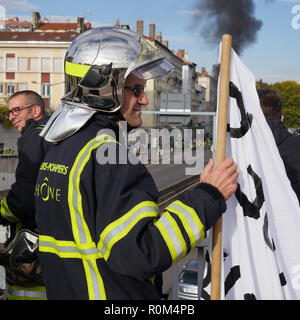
pixel 220 156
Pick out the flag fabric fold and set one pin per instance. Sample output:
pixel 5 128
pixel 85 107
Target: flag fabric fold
pixel 261 227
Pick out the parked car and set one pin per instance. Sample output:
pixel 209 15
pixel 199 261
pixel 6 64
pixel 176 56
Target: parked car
pixel 188 281
pixel 187 287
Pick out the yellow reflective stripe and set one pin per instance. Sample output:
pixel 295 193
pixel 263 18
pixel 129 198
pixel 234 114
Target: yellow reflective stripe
pixel 94 280
pixel 190 220
pixel 74 69
pixel 177 232
pixel 6 212
pixel 68 249
pixel 26 293
pixel 88 255
pixel 172 235
pixel 118 229
pixel 152 279
pixel 167 239
pixel 87 249
pixel 80 229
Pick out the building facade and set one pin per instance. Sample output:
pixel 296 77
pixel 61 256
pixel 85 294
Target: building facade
pixel 179 92
pixel 32 57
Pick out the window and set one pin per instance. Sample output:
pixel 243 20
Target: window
pixel 10 89
pixel 45 64
pixel 22 86
pixel 34 64
pixel 1 88
pixel 10 61
pixel 45 89
pixel 58 65
pixel 1 64
pixel 45 77
pixel 10 75
pixel 22 64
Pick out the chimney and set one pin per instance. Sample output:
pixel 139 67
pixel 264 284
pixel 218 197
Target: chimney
pixel 140 27
pixel 117 23
pixel 166 43
pixel 180 54
pixel 152 30
pixel 80 24
pixel 159 37
pixel 35 20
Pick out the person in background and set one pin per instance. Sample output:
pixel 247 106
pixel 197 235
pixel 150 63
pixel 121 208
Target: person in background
pixel 287 143
pixel 26 111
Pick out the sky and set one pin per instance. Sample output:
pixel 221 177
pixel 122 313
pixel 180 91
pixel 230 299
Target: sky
pixel 274 57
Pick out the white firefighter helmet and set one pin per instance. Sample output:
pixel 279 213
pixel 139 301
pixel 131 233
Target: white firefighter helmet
pixel 97 64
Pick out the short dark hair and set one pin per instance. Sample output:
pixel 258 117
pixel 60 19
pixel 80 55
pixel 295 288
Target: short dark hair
pixel 33 97
pixel 270 102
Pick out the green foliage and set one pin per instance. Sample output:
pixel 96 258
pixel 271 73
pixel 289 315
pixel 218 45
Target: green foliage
pixel 290 95
pixel 291 117
pixel 261 85
pixel 5 122
pixel 289 92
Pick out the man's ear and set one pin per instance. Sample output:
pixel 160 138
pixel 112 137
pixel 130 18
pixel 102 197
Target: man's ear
pixel 282 118
pixel 37 112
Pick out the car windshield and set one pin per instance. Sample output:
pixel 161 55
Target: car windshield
pixel 188 277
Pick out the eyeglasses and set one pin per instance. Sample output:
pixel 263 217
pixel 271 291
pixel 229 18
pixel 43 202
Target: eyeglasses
pixel 136 89
pixel 16 111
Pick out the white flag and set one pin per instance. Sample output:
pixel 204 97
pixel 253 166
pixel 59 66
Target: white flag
pixel 261 227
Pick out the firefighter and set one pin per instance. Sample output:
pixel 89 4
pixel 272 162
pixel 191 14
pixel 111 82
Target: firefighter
pixel 101 233
pixel 26 111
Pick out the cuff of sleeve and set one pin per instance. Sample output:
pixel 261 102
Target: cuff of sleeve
pixel 212 190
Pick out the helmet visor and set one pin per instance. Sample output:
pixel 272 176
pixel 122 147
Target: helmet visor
pixel 153 70
pixel 150 63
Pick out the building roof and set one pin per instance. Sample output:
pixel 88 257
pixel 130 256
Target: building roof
pixel 57 26
pixel 38 36
pixel 67 26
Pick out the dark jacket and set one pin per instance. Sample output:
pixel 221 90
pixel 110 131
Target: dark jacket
pixel 289 149
pixel 17 208
pixel 101 233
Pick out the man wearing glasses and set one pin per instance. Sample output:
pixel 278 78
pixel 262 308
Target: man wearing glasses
pixel 26 111
pixel 101 233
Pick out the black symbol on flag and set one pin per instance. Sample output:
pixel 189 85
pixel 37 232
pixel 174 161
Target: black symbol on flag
pixel 251 209
pixel 246 118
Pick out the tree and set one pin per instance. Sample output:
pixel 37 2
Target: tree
pixel 289 92
pixel 261 85
pixel 290 95
pixel 5 122
pixel 291 117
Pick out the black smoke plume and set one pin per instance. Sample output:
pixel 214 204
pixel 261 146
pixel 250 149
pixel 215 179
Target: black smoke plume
pixel 235 17
pixel 218 17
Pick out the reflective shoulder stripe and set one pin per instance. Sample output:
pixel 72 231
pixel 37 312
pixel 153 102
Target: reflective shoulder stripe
pixel 80 229
pixel 190 220
pixel 118 229
pixel 172 236
pixel 6 212
pixel 77 70
pixel 26 293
